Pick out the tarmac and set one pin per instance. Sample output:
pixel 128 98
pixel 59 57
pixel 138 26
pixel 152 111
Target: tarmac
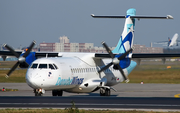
pixel 123 90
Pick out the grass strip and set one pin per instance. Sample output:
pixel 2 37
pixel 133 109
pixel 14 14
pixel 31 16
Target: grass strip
pixel 148 72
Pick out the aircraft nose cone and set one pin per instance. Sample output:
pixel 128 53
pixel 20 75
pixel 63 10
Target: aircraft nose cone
pixel 32 80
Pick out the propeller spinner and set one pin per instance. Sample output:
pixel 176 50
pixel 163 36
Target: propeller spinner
pixel 115 61
pixel 21 59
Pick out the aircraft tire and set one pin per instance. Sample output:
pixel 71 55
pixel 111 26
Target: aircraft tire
pixel 102 92
pixel 107 92
pixel 59 92
pixel 54 92
pixel 38 94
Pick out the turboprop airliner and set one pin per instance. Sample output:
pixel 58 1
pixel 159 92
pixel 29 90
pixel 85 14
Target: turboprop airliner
pixel 83 72
pixel 170 42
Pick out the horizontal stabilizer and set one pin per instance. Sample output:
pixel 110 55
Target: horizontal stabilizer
pixel 153 17
pixel 138 17
pixel 107 16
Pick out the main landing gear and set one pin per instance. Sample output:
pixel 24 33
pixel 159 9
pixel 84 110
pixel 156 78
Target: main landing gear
pixel 57 92
pixel 105 92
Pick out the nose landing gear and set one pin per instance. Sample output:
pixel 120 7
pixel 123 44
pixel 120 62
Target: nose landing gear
pixel 39 92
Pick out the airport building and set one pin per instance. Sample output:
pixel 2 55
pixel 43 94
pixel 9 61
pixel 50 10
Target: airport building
pixel 64 45
pixel 144 49
pixel 47 47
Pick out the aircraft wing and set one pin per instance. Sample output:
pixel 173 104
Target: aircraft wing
pixel 161 42
pixel 142 55
pixel 6 54
pixel 97 55
pixel 48 54
pixel 155 55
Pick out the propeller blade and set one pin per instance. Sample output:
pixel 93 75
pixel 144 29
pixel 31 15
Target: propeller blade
pixel 12 69
pixel 105 67
pixel 11 50
pixel 125 54
pixel 122 72
pixel 21 59
pixel 29 49
pixel 107 49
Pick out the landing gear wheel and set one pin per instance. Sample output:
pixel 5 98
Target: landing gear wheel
pixel 54 92
pixel 57 92
pixel 102 92
pixel 37 93
pixel 107 92
pixel 60 92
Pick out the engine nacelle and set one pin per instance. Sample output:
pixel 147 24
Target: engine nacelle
pixel 29 59
pixel 90 85
pixel 124 63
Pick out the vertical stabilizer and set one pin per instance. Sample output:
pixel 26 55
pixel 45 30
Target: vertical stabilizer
pixel 126 40
pixel 127 37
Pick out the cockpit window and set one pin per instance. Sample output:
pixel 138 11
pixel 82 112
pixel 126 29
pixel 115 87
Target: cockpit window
pixel 34 65
pixel 51 66
pixel 55 66
pixel 44 66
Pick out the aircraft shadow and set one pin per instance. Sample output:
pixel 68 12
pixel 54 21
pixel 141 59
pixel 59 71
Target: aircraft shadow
pixel 91 94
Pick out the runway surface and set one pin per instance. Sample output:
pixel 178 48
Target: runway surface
pixel 91 102
pixel 128 96
pixel 123 90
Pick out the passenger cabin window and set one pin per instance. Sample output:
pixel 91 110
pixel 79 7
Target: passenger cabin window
pixel 51 66
pixel 42 66
pixel 34 65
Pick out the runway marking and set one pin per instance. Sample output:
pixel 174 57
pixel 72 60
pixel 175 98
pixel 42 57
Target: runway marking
pixel 177 95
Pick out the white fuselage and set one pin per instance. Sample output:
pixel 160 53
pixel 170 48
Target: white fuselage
pixel 73 74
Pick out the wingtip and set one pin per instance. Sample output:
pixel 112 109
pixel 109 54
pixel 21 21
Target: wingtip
pixel 169 17
pixel 92 15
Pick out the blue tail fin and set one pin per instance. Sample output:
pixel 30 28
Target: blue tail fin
pixel 127 37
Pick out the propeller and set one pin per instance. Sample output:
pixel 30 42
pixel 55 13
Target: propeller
pixel 21 59
pixel 115 61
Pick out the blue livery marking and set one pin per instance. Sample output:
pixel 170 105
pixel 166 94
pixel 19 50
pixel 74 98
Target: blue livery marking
pixel 30 58
pixel 131 66
pixel 120 47
pixel 77 80
pixel 74 81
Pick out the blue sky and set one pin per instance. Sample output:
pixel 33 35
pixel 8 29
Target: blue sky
pixel 23 21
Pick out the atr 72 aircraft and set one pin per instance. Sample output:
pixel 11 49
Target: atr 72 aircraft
pixel 83 72
pixel 170 42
